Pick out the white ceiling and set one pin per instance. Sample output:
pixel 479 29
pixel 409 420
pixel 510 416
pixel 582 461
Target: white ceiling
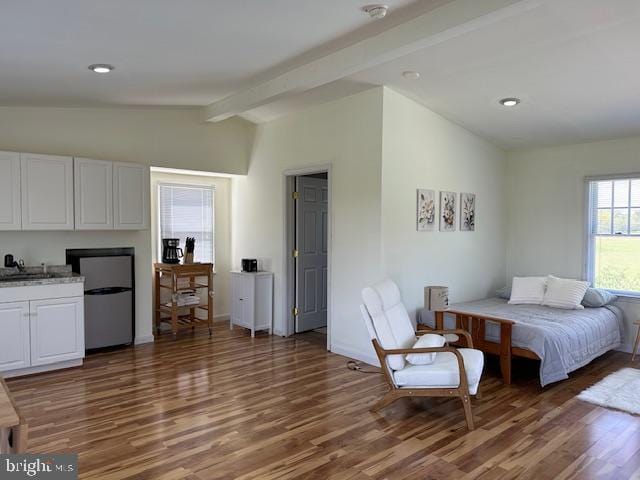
pixel 574 63
pixel 166 52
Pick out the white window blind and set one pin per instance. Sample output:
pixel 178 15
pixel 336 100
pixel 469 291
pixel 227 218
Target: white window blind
pixel 187 211
pixel 614 234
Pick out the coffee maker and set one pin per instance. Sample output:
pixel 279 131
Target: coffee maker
pixel 171 252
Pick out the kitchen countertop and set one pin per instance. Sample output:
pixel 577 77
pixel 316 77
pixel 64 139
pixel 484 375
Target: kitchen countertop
pixel 58 274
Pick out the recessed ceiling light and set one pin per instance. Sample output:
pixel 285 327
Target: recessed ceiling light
pixel 101 67
pixel 509 102
pixel 376 11
pixel 411 75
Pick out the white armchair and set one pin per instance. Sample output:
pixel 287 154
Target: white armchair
pixel 452 372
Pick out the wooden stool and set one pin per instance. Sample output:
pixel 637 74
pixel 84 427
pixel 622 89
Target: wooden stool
pixel 635 345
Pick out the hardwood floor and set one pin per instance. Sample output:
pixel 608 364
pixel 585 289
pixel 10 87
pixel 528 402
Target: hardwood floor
pixel 275 408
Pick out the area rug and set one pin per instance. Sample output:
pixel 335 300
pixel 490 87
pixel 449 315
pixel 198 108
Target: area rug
pixel 620 390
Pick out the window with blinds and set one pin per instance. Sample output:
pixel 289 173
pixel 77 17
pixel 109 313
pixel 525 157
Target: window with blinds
pixel 187 211
pixel 614 234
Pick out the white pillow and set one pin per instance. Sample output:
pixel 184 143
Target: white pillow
pixel 527 290
pixel 429 340
pixel 564 293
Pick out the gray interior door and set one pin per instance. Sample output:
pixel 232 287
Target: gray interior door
pixel 311 242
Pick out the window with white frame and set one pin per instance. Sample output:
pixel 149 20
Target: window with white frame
pixel 613 253
pixel 187 211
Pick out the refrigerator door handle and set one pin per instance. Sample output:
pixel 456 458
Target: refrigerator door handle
pixel 107 290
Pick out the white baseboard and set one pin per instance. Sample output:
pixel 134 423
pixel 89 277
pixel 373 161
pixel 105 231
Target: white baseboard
pixel 145 339
pixel 625 347
pixel 42 368
pixel 221 318
pixel 350 352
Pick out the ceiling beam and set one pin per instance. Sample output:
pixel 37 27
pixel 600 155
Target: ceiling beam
pixel 439 25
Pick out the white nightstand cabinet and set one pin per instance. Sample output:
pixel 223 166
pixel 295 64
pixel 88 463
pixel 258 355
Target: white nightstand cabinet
pixel 252 300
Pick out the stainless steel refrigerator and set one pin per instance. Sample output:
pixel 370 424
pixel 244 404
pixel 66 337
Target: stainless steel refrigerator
pixel 108 295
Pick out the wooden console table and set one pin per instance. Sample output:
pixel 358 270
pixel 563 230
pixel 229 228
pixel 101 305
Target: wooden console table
pixel 13 428
pixel 176 272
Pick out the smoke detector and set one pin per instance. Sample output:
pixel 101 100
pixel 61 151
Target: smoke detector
pixel 376 11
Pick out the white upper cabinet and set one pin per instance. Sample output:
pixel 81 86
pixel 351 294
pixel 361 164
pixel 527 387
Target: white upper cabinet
pixel 93 182
pixel 47 192
pixel 51 192
pixel 10 191
pixel 130 196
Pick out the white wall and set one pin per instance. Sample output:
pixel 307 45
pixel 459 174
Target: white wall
pixel 423 150
pixel 382 147
pixel 221 228
pixel 168 137
pixel 162 137
pixel 346 134
pixel 546 197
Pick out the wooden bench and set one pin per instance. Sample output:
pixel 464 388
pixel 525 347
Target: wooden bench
pixel 13 428
pixel 475 324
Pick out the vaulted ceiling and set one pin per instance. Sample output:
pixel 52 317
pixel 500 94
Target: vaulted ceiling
pixel 574 63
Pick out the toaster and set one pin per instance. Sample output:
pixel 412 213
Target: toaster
pixel 249 265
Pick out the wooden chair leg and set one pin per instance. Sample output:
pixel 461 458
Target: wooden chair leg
pixel 466 404
pixel 389 398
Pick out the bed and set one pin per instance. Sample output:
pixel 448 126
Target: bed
pixel 563 340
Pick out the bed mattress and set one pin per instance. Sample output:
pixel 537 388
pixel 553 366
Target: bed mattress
pixel 565 340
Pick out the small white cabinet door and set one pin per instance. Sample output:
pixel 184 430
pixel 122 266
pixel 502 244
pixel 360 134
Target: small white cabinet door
pixel 130 196
pixel 237 300
pixel 10 191
pixel 93 191
pixel 14 336
pixel 57 330
pixel 252 300
pixel 47 192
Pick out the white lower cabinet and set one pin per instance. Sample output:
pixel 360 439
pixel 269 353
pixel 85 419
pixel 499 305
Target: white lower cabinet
pixel 39 333
pixel 57 330
pixel 14 337
pixel 252 300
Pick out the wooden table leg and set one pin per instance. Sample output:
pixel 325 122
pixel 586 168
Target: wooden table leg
pixel 635 345
pixel 157 302
pixel 192 310
pixel 505 352
pixel 210 302
pixel 174 306
pixel 19 438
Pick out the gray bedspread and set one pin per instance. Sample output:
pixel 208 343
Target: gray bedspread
pixel 565 340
